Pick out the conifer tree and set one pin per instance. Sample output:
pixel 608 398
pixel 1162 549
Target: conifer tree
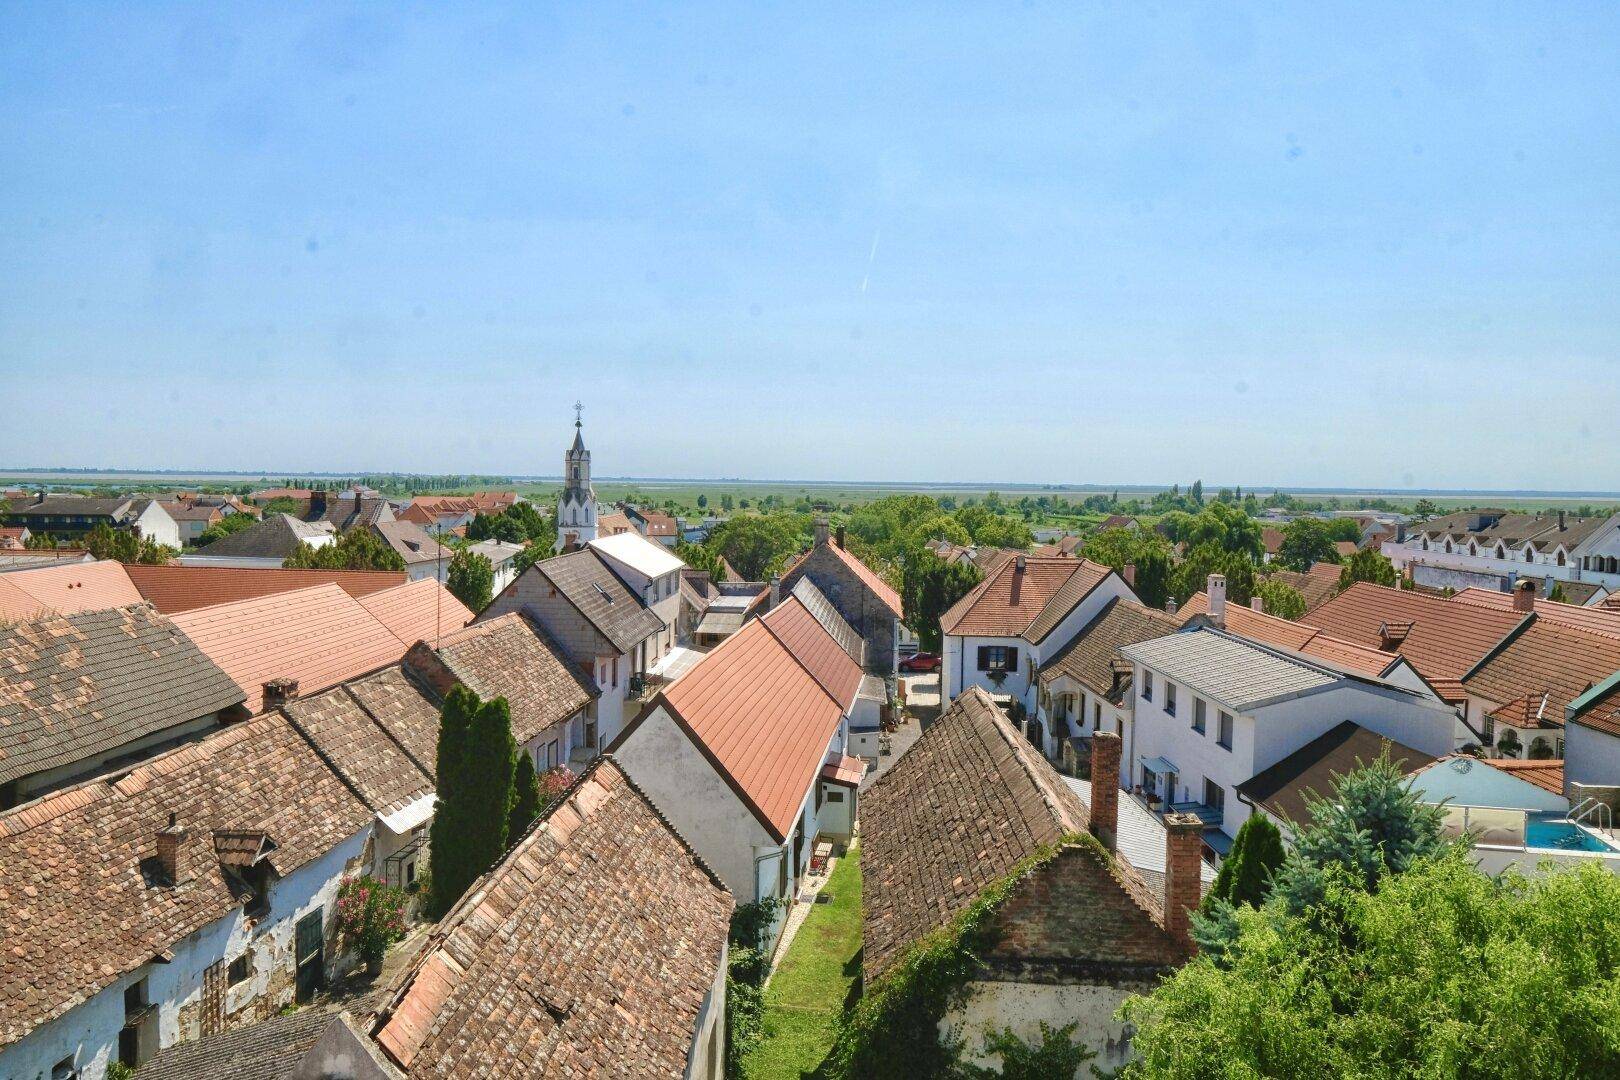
pixel 449 877
pixel 491 754
pixel 525 798
pixel 1245 874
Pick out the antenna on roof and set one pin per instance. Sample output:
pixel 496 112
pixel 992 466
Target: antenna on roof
pixel 438 570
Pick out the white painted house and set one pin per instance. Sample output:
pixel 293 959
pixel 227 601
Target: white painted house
pixel 1024 612
pixel 652 572
pixel 1485 548
pixel 746 756
pixel 1213 709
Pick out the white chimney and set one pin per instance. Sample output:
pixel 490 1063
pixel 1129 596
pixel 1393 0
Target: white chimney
pixel 1215 589
pixel 1257 604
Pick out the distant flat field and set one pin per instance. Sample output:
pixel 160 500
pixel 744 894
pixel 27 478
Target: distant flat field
pixel 685 492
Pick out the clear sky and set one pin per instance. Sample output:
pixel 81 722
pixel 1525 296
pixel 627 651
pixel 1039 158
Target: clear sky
pixel 1339 245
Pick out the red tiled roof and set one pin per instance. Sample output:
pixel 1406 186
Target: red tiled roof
pixel 1272 539
pixel 175 588
pixel 1546 666
pixel 1297 637
pixel 67 589
pixel 1548 775
pixel 846 771
pixel 417 611
pixel 1445 640
pixel 320 636
pixel 589 950
pixel 817 650
pixel 762 720
pixel 1598 620
pixel 993 608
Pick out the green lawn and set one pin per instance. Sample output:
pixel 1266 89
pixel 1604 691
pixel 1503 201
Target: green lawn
pixel 807 993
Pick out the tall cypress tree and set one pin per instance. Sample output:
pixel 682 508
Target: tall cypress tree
pixel 1245 874
pixel 491 753
pixel 525 798
pixel 449 877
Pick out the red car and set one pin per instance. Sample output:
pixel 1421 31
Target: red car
pixel 920 663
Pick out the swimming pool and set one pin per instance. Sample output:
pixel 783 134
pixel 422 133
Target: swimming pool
pixel 1561 834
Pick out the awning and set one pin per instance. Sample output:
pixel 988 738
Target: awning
pixel 1218 842
pixel 1160 766
pixel 846 771
pixel 407 817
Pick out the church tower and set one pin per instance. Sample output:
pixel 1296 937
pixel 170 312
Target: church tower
pixel 576 508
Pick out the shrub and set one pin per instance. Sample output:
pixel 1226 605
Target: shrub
pixel 370 917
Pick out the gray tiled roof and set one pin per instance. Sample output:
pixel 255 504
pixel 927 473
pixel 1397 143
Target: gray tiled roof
pixel 76 686
pixel 266 1051
pixel 413 543
pixel 599 594
pixel 1238 674
pixel 276 537
pixel 848 638
pixel 1089 657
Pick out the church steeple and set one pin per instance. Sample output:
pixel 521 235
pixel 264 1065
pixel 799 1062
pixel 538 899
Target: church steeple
pixel 576 507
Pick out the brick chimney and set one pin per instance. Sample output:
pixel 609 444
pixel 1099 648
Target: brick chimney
pixel 279 692
pixel 171 841
pixel 1524 596
pixel 1020 567
pixel 356 502
pixel 838 536
pixel 317 504
pixel 1105 787
pixel 821 531
pixel 1182 886
pixel 1129 574
pixel 1170 605
pixel 1215 590
pixel 1561 525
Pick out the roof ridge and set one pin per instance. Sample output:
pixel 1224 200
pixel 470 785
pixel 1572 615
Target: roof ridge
pixel 764 620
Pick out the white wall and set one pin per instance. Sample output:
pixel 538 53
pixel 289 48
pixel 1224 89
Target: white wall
pixel 155 523
pixel 89 1033
pixel 1590 757
pixel 697 801
pixel 707 1059
pixel 992 1006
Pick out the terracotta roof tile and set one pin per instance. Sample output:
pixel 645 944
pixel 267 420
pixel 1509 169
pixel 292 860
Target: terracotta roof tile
pixel 174 588
pixel 1598 620
pixel 417 611
pixel 1009 604
pixel 762 717
pixel 80 899
pixel 965 805
pixel 1295 637
pixel 1547 665
pixel 589 951
pixel 67 589
pixel 1317 585
pixel 320 636
pixel 1548 775
pixel 816 649
pixel 359 749
pixel 1088 658
pixel 400 707
pixel 1445 639
pixel 511 657
pixel 74 686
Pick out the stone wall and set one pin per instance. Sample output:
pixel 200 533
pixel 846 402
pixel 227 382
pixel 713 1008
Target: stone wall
pixel 854 601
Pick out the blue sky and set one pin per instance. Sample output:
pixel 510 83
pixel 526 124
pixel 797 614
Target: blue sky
pixel 1334 245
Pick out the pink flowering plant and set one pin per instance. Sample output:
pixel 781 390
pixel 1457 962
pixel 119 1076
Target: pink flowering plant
pixel 370 916
pixel 553 782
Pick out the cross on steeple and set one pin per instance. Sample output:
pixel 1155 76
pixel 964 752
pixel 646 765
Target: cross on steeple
pixel 578 409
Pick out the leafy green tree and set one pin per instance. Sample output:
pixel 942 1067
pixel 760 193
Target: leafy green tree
pixel 757 545
pixel 358 549
pixel 1193 573
pixel 702 502
pixel 1344 529
pixel 1305 541
pixel 1226 527
pixel 1153 573
pixel 525 798
pixel 988 528
pixel 531 554
pixel 284 504
pixel 105 542
pixel 471 579
pixel 497 527
pixel 1453 974
pixel 928 587
pixel 40 541
pixel 1426 508
pixel 1119 548
pixel 226 526
pixel 1558 595
pixel 1280 598
pixel 699 557
pixel 1368 565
